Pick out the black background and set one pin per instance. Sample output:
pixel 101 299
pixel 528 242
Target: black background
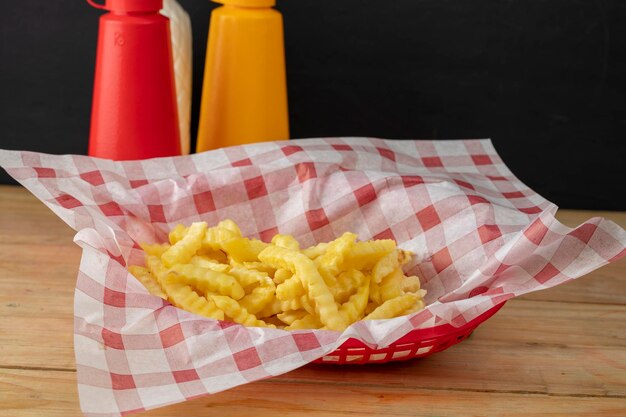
pixel 545 79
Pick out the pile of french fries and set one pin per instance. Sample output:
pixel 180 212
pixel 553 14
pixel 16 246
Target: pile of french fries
pixel 216 272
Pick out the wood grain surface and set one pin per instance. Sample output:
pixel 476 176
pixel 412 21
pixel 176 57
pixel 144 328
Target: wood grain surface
pixel 558 352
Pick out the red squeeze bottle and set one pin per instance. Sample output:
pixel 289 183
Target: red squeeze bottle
pixel 134 112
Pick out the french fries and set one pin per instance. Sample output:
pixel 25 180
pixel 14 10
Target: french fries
pixel 217 273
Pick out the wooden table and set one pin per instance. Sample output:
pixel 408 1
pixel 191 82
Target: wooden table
pixel 557 352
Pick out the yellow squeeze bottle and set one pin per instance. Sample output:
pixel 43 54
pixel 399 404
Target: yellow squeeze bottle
pixel 244 94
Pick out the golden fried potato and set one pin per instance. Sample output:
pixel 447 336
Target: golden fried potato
pixel 206 280
pixel 217 273
pixel 305 269
pixel 156 249
pixel 238 314
pixel 394 307
pixel 145 277
pixel 183 250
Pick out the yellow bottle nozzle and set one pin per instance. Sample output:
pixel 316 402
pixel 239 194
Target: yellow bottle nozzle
pixel 247 3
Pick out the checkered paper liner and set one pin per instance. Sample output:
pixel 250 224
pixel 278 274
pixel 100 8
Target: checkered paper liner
pixel 480 237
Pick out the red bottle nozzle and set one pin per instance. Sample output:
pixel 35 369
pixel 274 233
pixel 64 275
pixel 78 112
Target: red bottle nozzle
pixel 128 6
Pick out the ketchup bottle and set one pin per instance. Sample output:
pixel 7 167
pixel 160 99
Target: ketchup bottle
pixel 134 112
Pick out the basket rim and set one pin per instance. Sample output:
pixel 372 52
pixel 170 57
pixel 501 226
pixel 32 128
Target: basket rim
pixel 416 335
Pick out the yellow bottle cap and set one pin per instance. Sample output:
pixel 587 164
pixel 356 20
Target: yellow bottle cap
pixel 247 3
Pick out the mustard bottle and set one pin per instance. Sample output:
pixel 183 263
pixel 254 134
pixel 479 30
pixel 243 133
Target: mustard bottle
pixel 244 94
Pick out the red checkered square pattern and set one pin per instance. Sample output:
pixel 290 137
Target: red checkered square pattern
pixel 428 218
pixel 246 359
pixel 172 336
pixel 45 172
pixel 111 209
pixel 305 171
pixel 157 215
pixel 122 382
pixel 432 161
pixel 290 149
pixel 316 218
pixel 480 237
pixel 365 194
pixel 481 159
pixel 138 183
pixel 255 187
pixel 186 375
pixel 242 163
pixel 387 153
pixel 93 177
pixel 204 202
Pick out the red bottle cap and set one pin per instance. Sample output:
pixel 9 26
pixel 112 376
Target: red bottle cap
pixel 128 6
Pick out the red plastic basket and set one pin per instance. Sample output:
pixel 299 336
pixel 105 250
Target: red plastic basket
pixel 415 344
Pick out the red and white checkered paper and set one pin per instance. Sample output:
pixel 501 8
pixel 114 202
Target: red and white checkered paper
pixel 480 237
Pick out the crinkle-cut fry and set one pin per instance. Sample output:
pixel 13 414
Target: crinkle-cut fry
pixel 308 305
pixel 184 297
pixel 353 309
pixel 307 322
pixel 271 309
pixel 257 246
pixel 240 315
pixel 216 255
pixel 332 259
pixel 184 249
pixel 248 278
pixel 385 266
pixel 393 308
pixel 347 284
pixel 214 237
pixel 156 249
pixel 370 307
pixel 329 279
pixel 286 241
pixel 260 297
pixel 177 233
pixel 235 264
pixel 404 256
pixel 364 255
pixel 410 284
pixel 279 258
pixel 391 286
pixel 260 266
pixel 289 289
pixel 318 291
pixel 281 275
pixel 338 293
pixel 375 292
pixel 208 263
pixel 244 250
pixel 298 303
pixel 228 224
pixel 288 317
pixel 207 280
pixel 158 270
pixel 145 277
pixel 419 306
pixel 315 251
pixel 181 295
pixel 328 286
